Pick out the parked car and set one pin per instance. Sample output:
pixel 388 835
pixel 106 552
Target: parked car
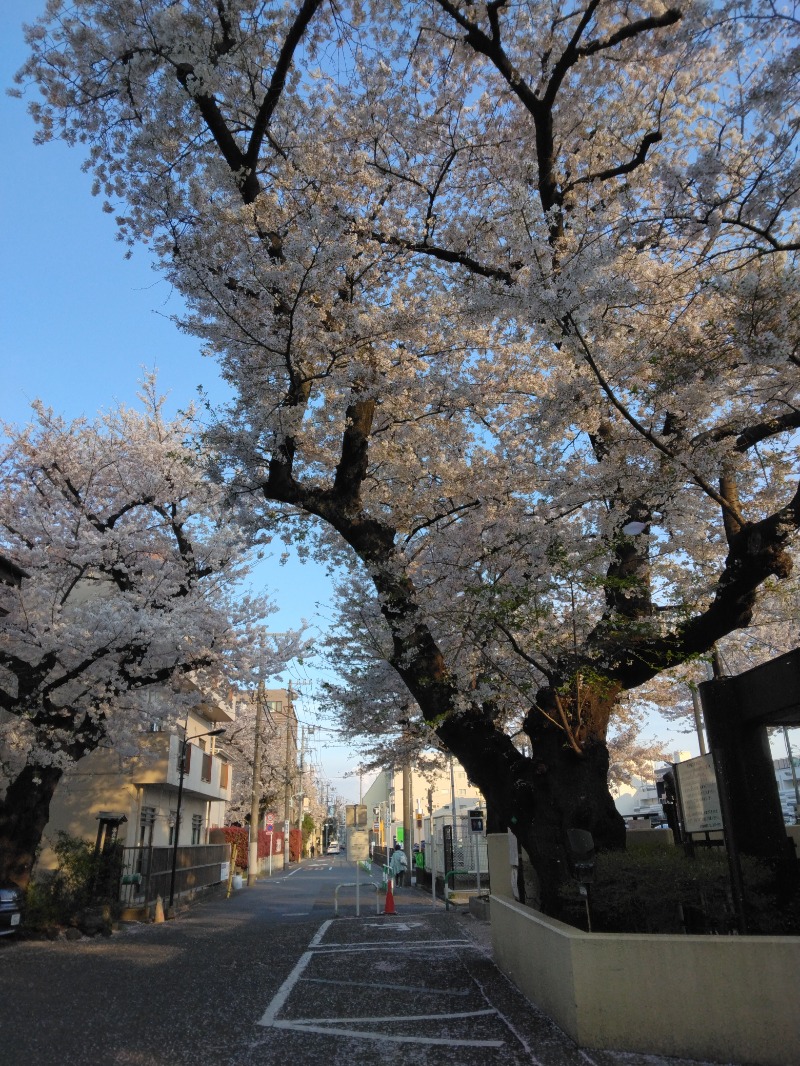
pixel 10 908
pixel 333 848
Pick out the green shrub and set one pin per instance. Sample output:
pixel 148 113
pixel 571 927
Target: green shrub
pixel 80 881
pixel 665 891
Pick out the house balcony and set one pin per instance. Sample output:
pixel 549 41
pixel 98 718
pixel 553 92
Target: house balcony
pixel 206 776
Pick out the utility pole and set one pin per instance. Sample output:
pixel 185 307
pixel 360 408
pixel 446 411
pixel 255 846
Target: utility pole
pixel 408 816
pixel 255 797
pixel 288 777
pixel 301 793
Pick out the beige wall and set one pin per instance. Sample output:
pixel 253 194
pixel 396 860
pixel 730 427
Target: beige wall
pixel 719 998
pixel 94 785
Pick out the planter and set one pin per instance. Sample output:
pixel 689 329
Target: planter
pixel 723 998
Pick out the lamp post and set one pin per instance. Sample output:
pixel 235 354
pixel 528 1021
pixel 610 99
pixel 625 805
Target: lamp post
pixel 181 766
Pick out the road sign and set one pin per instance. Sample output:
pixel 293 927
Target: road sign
pixel 270 822
pixel 356 815
pixel 357 845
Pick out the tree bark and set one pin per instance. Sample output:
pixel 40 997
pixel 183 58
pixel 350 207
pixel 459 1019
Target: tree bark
pixel 542 796
pixel 24 814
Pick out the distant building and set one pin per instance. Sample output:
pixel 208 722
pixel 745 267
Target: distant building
pixel 141 792
pixel 641 799
pixel 430 793
pixel 787 774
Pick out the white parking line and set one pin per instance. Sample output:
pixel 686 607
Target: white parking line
pixel 383 984
pixel 283 992
pixel 365 1035
pixel 320 933
pixel 396 1018
pixel 341 1026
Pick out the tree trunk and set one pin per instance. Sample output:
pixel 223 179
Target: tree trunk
pixel 541 797
pixel 571 792
pixel 24 813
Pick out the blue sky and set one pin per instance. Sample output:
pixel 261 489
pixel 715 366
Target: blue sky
pixel 79 323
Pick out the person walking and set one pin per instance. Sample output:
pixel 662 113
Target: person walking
pixel 398 865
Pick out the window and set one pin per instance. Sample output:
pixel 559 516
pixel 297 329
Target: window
pixel 224 775
pixel 147 820
pixel 205 773
pixel 171 821
pixel 197 828
pixel 275 706
pixel 187 759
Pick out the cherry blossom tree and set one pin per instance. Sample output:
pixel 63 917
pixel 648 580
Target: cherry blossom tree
pixel 507 293
pixel 126 570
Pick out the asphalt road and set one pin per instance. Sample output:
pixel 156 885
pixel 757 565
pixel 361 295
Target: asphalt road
pixel 271 977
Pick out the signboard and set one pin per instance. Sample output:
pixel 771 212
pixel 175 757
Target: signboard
pixel 356 814
pixel 270 822
pixel 357 845
pixel 699 795
pixel 224 872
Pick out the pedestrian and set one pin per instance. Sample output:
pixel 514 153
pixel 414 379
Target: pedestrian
pixel 398 864
pixel 312 851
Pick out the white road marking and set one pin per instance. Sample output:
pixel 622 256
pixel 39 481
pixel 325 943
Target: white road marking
pixel 383 984
pixel 397 1019
pixel 364 1035
pixel 320 933
pixel 332 1025
pixel 405 945
pixel 402 927
pixel 282 994
pixel 280 880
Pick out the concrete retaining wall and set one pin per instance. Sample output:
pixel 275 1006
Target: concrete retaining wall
pixel 719 998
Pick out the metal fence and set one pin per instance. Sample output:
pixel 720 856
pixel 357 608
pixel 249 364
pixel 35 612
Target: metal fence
pixel 147 872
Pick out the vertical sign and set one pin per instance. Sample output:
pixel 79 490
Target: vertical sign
pixel 699 796
pixel 449 857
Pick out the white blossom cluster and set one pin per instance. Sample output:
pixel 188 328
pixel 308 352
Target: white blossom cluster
pixel 127 582
pixel 507 296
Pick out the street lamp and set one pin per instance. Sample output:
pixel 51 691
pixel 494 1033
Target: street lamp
pixel 181 770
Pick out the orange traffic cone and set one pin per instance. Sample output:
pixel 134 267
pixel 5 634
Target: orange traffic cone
pixel 389 907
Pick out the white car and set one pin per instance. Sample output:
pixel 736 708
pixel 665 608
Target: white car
pixel 333 848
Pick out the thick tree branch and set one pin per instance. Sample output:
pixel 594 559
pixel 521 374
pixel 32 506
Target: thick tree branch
pixel 308 9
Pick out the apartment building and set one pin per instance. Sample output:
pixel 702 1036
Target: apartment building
pixel 138 796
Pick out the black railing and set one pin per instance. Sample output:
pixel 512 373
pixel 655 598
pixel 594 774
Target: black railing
pixel 146 872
